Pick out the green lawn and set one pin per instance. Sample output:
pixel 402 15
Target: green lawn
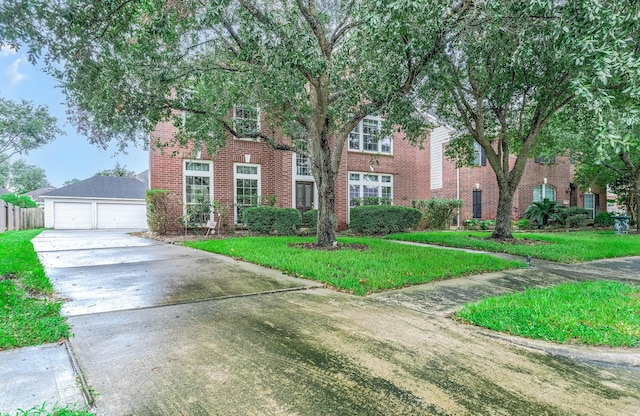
pixel 28 314
pixel 564 247
pixel 592 313
pixel 384 265
pixel 56 411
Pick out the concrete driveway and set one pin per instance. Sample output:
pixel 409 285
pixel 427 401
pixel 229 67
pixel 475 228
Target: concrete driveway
pixel 165 330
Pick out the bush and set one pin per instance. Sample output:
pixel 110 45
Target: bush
pixel 21 201
pixel 158 217
pixel 603 219
pixel 371 200
pixel 437 212
pixel 577 221
pixel 486 224
pixel 310 219
pixel 268 220
pixel 383 219
pixel 564 213
pixel 523 223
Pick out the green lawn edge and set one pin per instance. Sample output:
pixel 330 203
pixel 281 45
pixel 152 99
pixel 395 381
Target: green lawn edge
pixel 602 313
pixel 562 247
pixel 29 311
pixel 384 265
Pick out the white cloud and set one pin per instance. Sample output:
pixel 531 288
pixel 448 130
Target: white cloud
pixel 7 50
pixel 13 73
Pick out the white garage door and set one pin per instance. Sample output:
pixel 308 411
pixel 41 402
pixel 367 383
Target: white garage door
pixel 122 216
pixel 72 215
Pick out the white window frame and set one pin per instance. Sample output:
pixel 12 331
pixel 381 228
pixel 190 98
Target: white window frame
pixel 237 176
pixel 362 181
pixel 301 178
pixel 236 118
pixel 590 196
pixel 196 173
pixel 543 192
pixel 358 135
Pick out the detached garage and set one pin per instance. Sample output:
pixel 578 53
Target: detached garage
pixel 100 202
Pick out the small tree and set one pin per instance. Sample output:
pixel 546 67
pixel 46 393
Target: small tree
pixel 158 210
pixel 437 212
pixel 541 212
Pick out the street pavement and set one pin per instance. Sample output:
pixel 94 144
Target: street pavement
pixel 160 329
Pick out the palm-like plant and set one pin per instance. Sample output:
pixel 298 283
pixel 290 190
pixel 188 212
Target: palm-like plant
pixel 541 211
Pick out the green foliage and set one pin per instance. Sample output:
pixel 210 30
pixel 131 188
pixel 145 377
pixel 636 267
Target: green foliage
pixel 592 313
pixel 43 410
pixel 272 220
pixel 268 200
pixel 29 314
pixel 604 219
pixel 437 212
pixel 22 201
pixel 571 216
pixel 197 214
pixel 118 170
pixel 523 223
pixel 24 127
pixel 383 219
pixel 485 224
pixel 310 218
pixel 26 178
pixel 158 210
pixel 381 265
pixel 562 247
pixel 370 200
pixel 471 222
pixel 541 212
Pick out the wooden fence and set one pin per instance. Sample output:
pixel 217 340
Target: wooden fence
pixel 15 218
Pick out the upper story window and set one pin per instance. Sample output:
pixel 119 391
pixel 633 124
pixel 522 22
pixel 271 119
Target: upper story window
pixel 545 160
pixel 366 137
pixel 480 157
pixel 246 120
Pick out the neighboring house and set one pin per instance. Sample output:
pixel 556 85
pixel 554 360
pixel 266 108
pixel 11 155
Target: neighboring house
pixel 477 185
pixel 37 194
pixel 100 202
pixel 144 177
pixel 246 170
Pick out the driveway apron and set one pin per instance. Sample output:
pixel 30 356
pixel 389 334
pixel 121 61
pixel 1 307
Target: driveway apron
pixel 165 330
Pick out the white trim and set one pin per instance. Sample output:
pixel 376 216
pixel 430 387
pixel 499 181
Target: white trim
pixel 359 131
pixel 237 176
pixel 194 173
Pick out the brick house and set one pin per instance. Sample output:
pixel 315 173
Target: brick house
pixel 246 169
pixel 477 185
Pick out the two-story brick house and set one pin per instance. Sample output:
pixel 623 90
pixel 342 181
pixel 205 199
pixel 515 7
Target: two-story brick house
pixel 478 188
pixel 246 169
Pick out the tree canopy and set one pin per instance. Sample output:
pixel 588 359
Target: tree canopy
pixel 25 178
pixel 519 63
pixel 117 171
pixel 24 127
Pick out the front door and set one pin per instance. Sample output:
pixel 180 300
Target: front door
pixel 304 196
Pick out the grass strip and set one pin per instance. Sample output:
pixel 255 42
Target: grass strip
pixel 383 265
pixel 591 313
pixel 28 313
pixel 565 247
pixel 42 410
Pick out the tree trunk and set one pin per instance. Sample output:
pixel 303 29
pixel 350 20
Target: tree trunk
pixel 636 189
pixel 326 228
pixel 503 216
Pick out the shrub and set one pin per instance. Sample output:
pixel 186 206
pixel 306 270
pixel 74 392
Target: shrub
pixel 471 222
pixel 577 221
pixel 437 212
pixel 484 224
pixel 523 223
pixel 21 201
pixel 267 220
pixel 371 200
pixel 563 213
pixel 603 219
pixel 383 219
pixel 541 212
pixel 158 217
pixel 310 218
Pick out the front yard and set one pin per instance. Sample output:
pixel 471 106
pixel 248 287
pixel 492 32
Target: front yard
pixel 563 247
pixel 379 266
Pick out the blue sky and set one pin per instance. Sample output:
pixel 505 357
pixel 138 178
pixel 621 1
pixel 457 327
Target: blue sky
pixel 71 155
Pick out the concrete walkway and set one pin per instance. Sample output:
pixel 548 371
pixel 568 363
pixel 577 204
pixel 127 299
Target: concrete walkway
pixel 164 330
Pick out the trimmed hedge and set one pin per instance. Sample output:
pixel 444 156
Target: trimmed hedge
pixel 604 219
pixel 383 219
pixel 272 220
pixel 310 219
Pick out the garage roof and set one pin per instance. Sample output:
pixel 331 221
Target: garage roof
pixel 103 187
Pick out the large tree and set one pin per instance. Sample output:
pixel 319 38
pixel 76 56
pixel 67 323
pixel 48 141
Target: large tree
pixel 118 170
pixel 26 178
pixel 24 127
pixel 506 76
pixel 315 68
